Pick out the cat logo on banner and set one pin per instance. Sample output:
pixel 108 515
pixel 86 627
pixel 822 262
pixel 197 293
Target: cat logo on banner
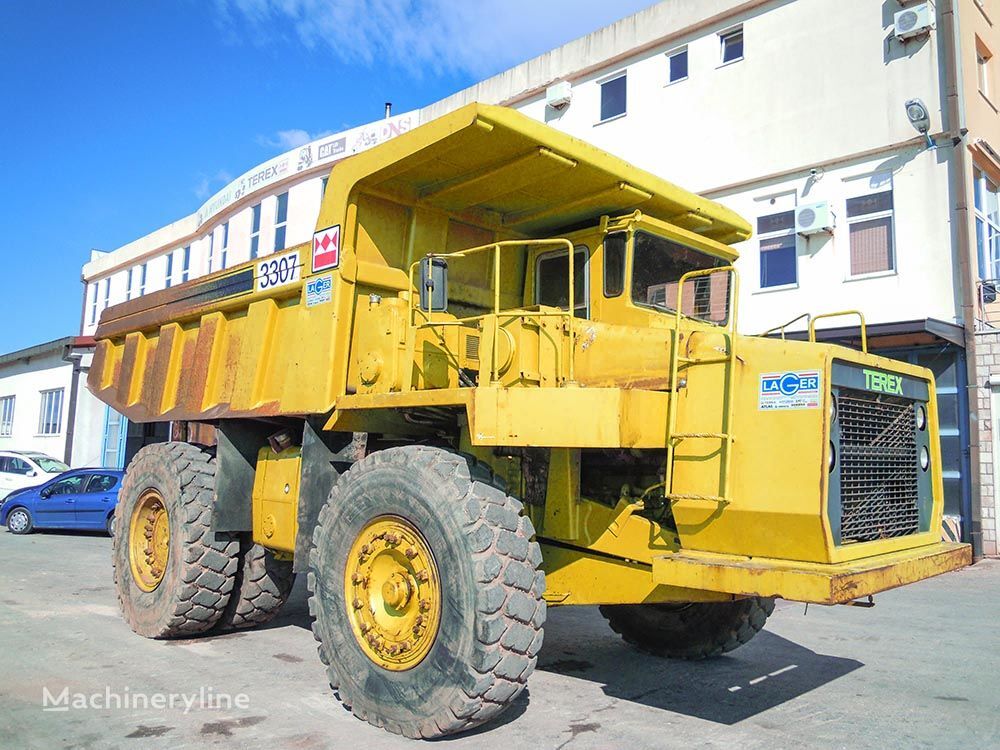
pixel 326 248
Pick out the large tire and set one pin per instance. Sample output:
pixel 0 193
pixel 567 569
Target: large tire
pixel 491 608
pixel 200 564
pixel 260 588
pixel 695 630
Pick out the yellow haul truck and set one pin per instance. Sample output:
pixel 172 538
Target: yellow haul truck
pixel 504 375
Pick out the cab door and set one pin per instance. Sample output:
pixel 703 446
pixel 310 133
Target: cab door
pixel 56 506
pixel 96 501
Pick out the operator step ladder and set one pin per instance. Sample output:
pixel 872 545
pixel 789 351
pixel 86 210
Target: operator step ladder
pixel 728 359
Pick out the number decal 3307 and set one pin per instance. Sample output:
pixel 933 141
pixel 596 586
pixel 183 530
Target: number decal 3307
pixel 278 271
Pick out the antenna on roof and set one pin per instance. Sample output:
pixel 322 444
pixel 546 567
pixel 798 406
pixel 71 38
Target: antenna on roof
pixel 388 110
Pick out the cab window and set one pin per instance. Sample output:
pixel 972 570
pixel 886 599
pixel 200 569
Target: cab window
pixel 614 264
pixel 657 266
pixel 552 281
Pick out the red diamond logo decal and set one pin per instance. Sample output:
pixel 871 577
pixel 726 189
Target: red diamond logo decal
pixel 326 248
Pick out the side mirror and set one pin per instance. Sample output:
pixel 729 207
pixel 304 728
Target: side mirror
pixel 46 493
pixel 31 473
pixel 433 284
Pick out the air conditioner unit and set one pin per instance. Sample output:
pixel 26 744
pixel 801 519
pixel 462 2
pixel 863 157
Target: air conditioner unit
pixel 913 21
pixel 814 218
pixel 558 95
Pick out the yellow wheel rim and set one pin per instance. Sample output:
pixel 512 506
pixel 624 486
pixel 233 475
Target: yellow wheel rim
pixel 393 593
pixel 149 540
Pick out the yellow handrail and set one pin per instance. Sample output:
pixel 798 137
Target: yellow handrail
pixel 783 326
pixel 730 359
pixel 495 247
pixel 861 317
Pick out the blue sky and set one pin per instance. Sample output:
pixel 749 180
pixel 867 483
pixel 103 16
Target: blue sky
pixel 120 117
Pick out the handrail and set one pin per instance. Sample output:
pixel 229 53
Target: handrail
pixel 861 317
pixel 496 247
pixel 730 359
pixel 783 326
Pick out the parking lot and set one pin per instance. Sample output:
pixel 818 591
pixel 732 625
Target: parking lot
pixel 921 669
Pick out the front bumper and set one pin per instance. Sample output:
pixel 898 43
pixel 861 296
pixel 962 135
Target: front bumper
pixel 817 583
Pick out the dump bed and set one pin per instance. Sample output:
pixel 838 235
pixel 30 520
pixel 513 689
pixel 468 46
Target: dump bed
pixel 251 341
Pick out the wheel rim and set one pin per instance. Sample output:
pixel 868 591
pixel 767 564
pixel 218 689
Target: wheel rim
pixel 18 520
pixel 393 593
pixel 149 540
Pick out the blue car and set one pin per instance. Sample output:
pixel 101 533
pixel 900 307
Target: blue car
pixel 76 499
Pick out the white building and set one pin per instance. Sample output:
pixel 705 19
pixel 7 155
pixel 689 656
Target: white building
pixel 45 405
pixel 786 111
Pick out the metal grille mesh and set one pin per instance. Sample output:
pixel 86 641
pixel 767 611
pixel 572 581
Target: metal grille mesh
pixel 878 466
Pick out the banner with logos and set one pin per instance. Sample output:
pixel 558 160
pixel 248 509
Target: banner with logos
pixel 315 153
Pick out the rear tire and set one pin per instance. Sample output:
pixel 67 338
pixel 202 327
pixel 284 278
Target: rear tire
pixel 695 630
pixel 194 585
pixel 260 588
pixel 488 625
pixel 19 521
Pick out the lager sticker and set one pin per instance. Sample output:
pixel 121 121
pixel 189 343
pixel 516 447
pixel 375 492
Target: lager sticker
pixel 790 390
pixel 319 290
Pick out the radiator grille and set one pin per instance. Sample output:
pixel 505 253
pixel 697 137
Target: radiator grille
pixel 878 467
pixel 472 347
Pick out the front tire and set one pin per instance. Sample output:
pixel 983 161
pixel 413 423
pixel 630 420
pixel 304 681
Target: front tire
pixel 694 630
pixel 410 528
pixel 173 574
pixel 19 521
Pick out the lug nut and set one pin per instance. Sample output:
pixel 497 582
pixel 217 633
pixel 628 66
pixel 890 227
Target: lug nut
pixel 358 604
pixel 356 578
pixel 392 537
pixel 365 627
pixel 422 576
pixel 410 553
pixel 365 549
pixel 425 605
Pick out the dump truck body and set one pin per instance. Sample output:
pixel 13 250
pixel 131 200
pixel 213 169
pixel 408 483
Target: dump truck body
pixel 489 284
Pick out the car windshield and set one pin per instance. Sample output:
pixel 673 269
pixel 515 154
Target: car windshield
pixel 659 263
pixel 49 465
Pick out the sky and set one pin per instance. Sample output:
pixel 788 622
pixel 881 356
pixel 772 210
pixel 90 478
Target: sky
pixel 118 117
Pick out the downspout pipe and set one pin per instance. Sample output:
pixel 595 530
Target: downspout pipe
pixel 74 388
pixel 950 39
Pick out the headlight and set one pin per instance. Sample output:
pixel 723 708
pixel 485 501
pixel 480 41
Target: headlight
pixel 925 458
pixel 833 457
pixel 833 408
pixel 921 417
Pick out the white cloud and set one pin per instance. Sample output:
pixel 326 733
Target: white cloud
pixel 479 38
pixel 285 140
pixel 206 185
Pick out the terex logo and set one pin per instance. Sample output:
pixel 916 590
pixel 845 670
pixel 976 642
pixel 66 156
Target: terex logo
pixel 883 382
pixel 790 383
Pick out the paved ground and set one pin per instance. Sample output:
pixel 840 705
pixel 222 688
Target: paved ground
pixel 921 669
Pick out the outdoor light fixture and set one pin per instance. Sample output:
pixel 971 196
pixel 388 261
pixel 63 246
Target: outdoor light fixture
pixel 920 118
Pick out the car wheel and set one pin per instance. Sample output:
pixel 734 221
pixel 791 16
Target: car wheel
pixel 19 521
pixel 111 525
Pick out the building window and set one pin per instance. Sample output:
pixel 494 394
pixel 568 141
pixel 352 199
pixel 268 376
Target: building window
pixel 50 414
pixel 170 269
pixel 983 59
pixel 869 224
pixel 731 45
pixel 613 97
pixel 107 292
pixel 987 212
pixel 778 257
pixel 677 65
pixel 322 188
pixel 128 284
pixel 255 232
pixel 6 416
pixel 142 279
pixel 93 303
pixel 280 222
pixel 186 265
pixel 225 245
pixel 211 249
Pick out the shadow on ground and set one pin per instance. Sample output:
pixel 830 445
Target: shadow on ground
pixel 768 671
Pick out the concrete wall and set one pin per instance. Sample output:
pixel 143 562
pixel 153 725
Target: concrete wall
pixel 988 367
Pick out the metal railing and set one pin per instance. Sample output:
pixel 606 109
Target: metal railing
pixel 729 359
pixel 568 314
